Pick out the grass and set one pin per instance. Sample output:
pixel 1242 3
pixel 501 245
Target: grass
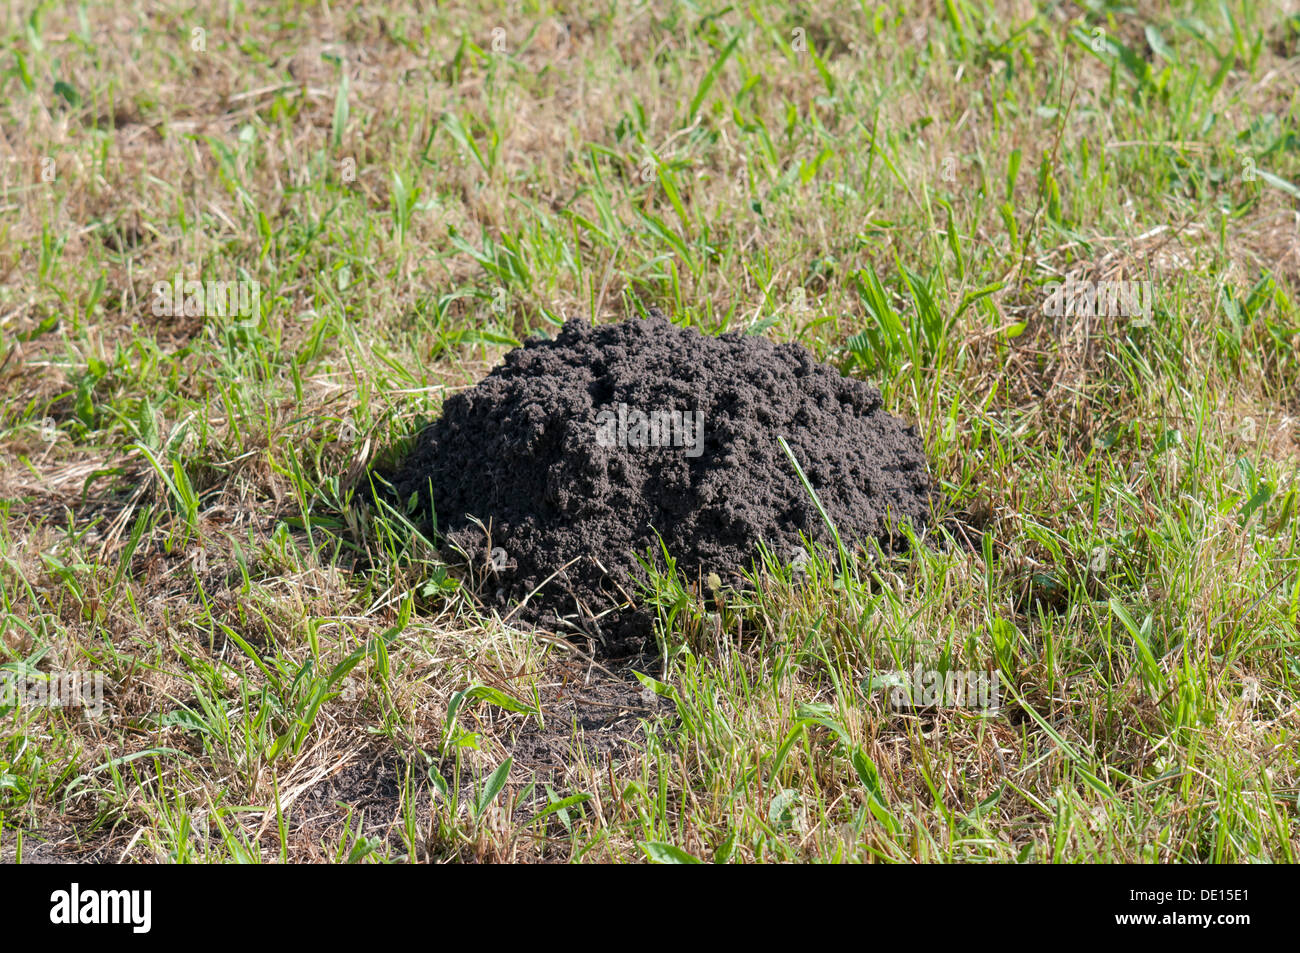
pixel 414 191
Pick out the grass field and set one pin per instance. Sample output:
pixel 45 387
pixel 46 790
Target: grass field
pixel 413 189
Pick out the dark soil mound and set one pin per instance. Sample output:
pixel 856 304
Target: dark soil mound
pixel 570 454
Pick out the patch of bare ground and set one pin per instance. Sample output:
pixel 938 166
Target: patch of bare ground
pixel 592 714
pixel 63 844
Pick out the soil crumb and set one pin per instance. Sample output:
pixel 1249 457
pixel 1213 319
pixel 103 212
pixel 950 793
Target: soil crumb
pixel 577 454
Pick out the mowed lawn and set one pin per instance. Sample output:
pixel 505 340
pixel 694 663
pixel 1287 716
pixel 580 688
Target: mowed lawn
pixel 1063 242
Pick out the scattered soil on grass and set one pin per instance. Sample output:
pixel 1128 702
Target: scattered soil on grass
pixel 549 474
pixel 64 844
pixel 362 796
pixel 593 715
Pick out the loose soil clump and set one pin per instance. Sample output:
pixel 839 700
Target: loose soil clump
pixel 577 454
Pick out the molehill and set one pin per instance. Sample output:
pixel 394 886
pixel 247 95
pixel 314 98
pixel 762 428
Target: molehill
pixel 576 454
